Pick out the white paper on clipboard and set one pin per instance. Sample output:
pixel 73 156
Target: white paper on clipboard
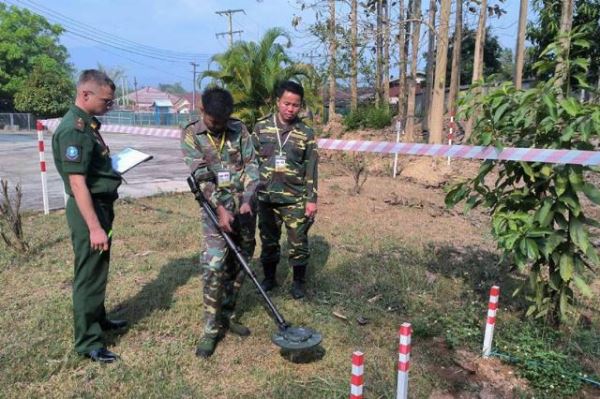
pixel 127 159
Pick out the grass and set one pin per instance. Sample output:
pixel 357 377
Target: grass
pixel 359 268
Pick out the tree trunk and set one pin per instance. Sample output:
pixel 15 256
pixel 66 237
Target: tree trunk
pixel 477 59
pixel 564 40
pixel 412 83
pixel 429 65
pixel 332 49
pixel 456 49
pixel 354 56
pixel 436 116
pixel 402 54
pixel 520 49
pixel 386 55
pixel 378 53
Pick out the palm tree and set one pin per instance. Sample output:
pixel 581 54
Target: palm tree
pixel 251 72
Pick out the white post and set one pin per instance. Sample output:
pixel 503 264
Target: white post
pixel 40 132
pixel 491 321
pixel 398 127
pixel 403 360
pixel 450 132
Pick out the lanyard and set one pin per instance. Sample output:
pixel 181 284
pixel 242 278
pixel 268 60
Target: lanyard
pixel 220 147
pixel 278 136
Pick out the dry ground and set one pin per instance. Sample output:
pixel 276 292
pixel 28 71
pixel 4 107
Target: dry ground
pixel 392 254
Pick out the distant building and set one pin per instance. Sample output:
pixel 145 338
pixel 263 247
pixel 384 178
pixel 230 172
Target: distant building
pixel 147 99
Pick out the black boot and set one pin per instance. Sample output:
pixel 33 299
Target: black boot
pixel 269 281
pixel 298 291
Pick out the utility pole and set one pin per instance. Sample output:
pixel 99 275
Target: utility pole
pixel 230 32
pixel 123 91
pixel 136 98
pixel 194 65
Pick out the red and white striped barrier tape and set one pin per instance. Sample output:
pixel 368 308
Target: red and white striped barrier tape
pixel 491 320
pixel 356 381
pixel 386 147
pixel 404 334
pixel 466 151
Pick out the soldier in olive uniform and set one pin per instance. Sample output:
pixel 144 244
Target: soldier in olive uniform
pixel 220 155
pixel 83 161
pixel 287 193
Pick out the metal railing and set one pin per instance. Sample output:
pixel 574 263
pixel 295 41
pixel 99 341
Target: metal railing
pixel 17 121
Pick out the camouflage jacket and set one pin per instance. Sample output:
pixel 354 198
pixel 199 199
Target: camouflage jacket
pixel 298 182
pixel 206 154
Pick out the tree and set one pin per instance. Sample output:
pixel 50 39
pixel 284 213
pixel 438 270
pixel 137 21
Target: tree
pixel 354 55
pixel 27 41
pixel 403 28
pixel 536 213
pixel 429 66
pixel 48 92
pixel 520 48
pixel 543 32
pixel 332 49
pixel 564 45
pixel 436 114
pixel 492 55
pixel 251 72
pixel 172 88
pixel 456 58
pixel 412 83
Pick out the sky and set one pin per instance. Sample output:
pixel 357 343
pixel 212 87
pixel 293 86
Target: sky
pixel 154 41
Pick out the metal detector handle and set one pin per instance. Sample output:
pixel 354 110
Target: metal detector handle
pixel 213 218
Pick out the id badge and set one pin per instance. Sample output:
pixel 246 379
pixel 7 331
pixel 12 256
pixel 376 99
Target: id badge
pixel 280 163
pixel 223 178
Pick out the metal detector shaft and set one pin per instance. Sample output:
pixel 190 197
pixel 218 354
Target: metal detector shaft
pixel 213 218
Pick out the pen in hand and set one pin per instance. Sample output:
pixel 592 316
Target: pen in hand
pixel 109 237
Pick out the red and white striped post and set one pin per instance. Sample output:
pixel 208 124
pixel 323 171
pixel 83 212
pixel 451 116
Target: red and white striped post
pixel 40 133
pixel 403 360
pixel 356 381
pixel 451 127
pixel 491 321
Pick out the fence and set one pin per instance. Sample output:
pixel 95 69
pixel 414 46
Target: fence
pixel 17 121
pixel 146 118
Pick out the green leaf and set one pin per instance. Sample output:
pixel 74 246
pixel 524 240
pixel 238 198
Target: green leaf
pixel 592 193
pixel 582 286
pixel 500 111
pixel 566 266
pixel 531 248
pixel 570 105
pixel 576 178
pixel 564 304
pixel 571 202
pixel 592 255
pixel 543 216
pixel 551 105
pixel 551 243
pixel 560 184
pixel 578 234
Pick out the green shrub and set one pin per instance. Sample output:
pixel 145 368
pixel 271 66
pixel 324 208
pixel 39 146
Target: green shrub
pixel 368 117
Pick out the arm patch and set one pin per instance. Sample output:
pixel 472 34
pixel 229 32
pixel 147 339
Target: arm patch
pixel 72 153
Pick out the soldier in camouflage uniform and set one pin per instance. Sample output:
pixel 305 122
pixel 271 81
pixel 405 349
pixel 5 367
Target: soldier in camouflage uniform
pixel 220 155
pixel 287 193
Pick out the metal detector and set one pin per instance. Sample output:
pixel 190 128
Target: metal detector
pixel 287 337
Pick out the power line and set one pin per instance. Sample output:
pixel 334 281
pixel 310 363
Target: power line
pixel 141 51
pixel 111 36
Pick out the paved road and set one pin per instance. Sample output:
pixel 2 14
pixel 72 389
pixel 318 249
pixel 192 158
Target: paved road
pixel 19 162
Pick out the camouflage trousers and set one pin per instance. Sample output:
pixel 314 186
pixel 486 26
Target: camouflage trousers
pixel 270 218
pixel 222 274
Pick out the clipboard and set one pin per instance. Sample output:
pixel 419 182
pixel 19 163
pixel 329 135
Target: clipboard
pixel 127 159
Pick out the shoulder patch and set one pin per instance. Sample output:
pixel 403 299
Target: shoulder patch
pixel 73 153
pixel 79 124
